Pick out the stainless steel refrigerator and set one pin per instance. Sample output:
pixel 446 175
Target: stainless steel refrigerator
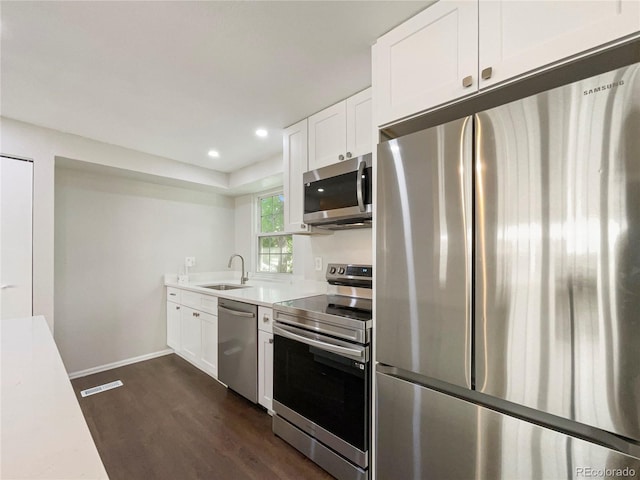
pixel 508 289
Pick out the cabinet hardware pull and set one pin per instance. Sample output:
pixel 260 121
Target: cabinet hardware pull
pixel 177 308
pixel 172 294
pixel 486 73
pixel 341 157
pixel 271 340
pixel 467 81
pixel 265 318
pixel 349 155
pixel 303 226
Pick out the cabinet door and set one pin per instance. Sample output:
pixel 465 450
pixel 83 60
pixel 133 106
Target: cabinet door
pixel 209 353
pixel 191 335
pixel 517 37
pixel 265 369
pixel 359 124
pixel 294 151
pixel 429 60
pixel 173 325
pixel 328 136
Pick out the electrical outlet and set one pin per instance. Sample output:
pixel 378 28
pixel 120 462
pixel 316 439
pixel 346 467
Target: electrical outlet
pixel 318 261
pixel 190 261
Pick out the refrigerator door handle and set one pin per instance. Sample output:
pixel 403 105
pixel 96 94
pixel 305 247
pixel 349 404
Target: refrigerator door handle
pixel 466 180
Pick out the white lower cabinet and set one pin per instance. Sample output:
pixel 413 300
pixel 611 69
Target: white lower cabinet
pixel 265 369
pixel 209 351
pixel 173 325
pixel 192 328
pixel 265 357
pixel 191 334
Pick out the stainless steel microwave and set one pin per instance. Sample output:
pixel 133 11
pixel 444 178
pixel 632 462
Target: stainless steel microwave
pixel 339 196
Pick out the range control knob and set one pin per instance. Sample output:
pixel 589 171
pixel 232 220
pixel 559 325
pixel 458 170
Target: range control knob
pixel 332 270
pixel 341 270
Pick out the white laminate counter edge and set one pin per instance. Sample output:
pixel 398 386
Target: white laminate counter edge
pixel 263 295
pixel 44 434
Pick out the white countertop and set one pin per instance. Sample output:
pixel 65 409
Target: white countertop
pixel 43 432
pixel 258 292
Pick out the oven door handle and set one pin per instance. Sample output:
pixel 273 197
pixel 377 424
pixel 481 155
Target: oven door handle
pixel 355 353
pixel 359 190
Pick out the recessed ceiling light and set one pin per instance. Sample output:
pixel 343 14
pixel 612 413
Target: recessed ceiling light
pixel 261 132
pixel 213 154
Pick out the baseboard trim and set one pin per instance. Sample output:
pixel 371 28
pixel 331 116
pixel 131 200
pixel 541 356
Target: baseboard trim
pixel 121 363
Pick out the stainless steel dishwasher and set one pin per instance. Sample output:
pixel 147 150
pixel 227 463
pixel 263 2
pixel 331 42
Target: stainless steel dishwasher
pixel 238 347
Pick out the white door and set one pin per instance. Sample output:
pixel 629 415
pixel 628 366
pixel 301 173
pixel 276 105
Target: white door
pixel 190 334
pixel 209 357
pixel 16 200
pixel 265 369
pixel 173 325
pixel 294 152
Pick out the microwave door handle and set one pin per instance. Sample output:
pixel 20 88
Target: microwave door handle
pixel 359 184
pixel 350 352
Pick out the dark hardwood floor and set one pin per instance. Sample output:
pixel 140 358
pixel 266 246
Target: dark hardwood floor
pixel 172 421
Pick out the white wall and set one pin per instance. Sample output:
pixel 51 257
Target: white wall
pixel 42 145
pixel 258 177
pixel 244 221
pixel 347 246
pixel 114 239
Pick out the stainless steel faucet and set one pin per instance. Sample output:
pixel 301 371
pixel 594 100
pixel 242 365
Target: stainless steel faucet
pixel 243 279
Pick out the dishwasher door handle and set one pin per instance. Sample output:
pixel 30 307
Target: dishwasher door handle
pixel 236 312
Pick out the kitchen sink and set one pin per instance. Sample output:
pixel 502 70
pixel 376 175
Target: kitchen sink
pixel 222 286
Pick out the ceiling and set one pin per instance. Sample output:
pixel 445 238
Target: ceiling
pixel 178 78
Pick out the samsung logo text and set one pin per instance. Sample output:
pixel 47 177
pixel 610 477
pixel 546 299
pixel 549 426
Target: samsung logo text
pixel 604 88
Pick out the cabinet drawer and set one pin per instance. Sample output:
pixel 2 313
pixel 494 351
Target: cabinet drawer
pixel 173 295
pixel 204 303
pixel 265 319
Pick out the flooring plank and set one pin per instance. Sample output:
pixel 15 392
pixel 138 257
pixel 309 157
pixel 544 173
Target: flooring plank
pixel 170 420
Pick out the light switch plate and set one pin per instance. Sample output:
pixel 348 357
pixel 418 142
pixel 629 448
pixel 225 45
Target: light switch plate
pixel 190 261
pixel 318 261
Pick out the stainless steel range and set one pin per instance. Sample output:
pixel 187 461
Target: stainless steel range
pixel 322 373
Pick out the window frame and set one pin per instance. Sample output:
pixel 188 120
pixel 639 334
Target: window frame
pixel 258 234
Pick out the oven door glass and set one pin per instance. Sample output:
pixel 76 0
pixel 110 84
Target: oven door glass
pixel 337 192
pixel 328 389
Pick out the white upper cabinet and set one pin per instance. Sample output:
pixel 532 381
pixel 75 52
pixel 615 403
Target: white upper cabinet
pixel 327 136
pixel 456 48
pixel 294 149
pixel 428 60
pixel 341 131
pixel 518 37
pixel 359 124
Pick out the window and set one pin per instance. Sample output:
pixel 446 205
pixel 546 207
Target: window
pixel 275 248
